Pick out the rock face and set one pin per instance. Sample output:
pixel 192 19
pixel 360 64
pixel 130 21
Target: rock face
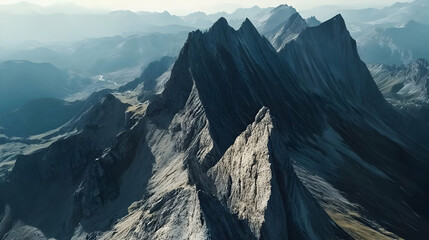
pixel 238 142
pixel 243 178
pixel 275 206
pixel 341 72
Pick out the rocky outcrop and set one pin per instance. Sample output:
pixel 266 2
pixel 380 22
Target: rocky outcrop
pixel 312 21
pixel 245 181
pixel 274 206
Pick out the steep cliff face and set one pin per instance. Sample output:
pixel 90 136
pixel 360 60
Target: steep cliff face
pixel 327 58
pixel 255 180
pixel 238 142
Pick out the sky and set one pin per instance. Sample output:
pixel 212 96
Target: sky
pixel 181 7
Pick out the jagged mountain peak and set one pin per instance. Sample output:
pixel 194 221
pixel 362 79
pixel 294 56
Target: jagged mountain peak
pixel 218 63
pixel 276 17
pixel 220 29
pixel 222 33
pixel 248 27
pixel 252 172
pixel 221 26
pixel 263 113
pixel 335 25
pixel 312 21
pixel 295 16
pixel 282 7
pixel 348 76
pixel 287 31
pixel 247 23
pixel 334 30
pixel 220 23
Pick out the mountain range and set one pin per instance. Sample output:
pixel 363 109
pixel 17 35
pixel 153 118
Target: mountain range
pixel 398 12
pixel 22 81
pixel 243 136
pixel 392 45
pixel 118 50
pixel 379 31
pixel 405 86
pixel 96 56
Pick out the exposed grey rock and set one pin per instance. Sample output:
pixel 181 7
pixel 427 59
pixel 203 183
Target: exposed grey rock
pixel 274 206
pixel 245 181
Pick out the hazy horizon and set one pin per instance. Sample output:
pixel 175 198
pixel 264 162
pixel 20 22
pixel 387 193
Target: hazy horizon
pixel 178 8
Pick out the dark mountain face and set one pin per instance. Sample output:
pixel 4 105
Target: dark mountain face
pixel 383 34
pixel 242 142
pixel 239 62
pixel 326 57
pixel 344 86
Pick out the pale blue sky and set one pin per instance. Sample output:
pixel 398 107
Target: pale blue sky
pixel 187 6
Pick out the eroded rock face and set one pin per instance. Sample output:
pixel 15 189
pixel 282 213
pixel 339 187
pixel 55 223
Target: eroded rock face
pixel 274 206
pixel 244 179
